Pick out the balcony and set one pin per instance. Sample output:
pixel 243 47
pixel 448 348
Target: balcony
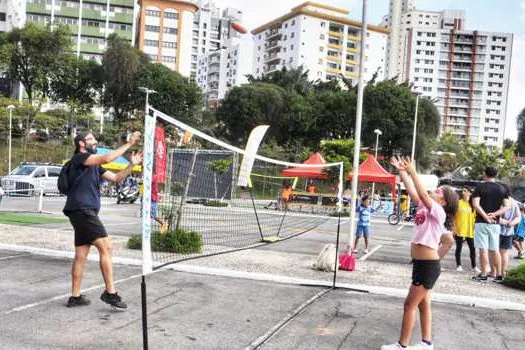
pixel 273 57
pixel 333 70
pixel 273 68
pixel 214 70
pixel 350 74
pixel 351 63
pixel 335 34
pixel 352 49
pixel 335 46
pixel 273 34
pixel 272 45
pixel 353 38
pixel 337 59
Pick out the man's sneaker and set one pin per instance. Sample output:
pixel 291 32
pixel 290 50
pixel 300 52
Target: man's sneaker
pixel 476 270
pixel 356 251
pixel 459 268
pixel 480 278
pixel 422 346
pixel 395 346
pixel 366 251
pixel 81 300
pixel 113 300
pixel 519 256
pixel 498 279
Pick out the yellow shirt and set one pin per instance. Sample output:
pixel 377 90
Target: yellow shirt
pixel 464 220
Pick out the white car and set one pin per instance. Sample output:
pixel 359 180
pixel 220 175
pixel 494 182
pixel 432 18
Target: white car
pixel 29 178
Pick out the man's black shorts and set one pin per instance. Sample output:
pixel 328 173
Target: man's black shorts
pixel 505 242
pixel 87 226
pixel 425 272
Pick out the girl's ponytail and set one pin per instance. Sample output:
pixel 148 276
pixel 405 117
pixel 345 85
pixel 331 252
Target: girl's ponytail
pixel 451 206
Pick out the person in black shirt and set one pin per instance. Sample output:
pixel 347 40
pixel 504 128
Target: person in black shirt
pixel 490 200
pixel 82 207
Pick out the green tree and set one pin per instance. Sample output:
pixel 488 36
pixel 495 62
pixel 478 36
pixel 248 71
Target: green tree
pixel 477 157
pixel 289 79
pixel 32 53
pixel 77 83
pixel 520 123
pixel 121 67
pixel 175 95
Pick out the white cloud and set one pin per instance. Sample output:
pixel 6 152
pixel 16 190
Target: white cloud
pixel 522 5
pixel 516 85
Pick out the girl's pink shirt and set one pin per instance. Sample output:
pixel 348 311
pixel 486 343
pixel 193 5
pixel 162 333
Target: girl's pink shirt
pixel 429 225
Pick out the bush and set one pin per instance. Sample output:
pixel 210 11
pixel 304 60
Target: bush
pixel 343 213
pixel 181 241
pixel 215 203
pixel 516 277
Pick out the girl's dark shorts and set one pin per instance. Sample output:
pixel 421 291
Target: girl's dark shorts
pixel 87 226
pixel 425 272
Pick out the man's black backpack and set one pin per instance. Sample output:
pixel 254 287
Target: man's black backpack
pixel 65 183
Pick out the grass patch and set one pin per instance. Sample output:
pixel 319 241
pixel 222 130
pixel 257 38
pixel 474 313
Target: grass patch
pixel 28 219
pixel 516 277
pixel 181 241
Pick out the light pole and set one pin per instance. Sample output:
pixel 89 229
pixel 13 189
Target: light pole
pixel 378 133
pixel 147 91
pixel 414 133
pixel 357 133
pixel 10 109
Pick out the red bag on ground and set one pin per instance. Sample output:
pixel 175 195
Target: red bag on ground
pixel 347 262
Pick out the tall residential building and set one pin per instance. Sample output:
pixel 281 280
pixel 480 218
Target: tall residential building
pixel 322 39
pixel 12 14
pixel 465 71
pixel 91 21
pixel 228 62
pixel 165 32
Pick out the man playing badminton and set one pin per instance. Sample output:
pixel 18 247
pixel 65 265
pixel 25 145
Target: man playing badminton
pixel 82 207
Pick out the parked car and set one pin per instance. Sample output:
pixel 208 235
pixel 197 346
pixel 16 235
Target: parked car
pixel 28 178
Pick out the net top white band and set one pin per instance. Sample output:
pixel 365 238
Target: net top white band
pixel 233 148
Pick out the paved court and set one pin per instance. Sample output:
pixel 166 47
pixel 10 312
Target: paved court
pixel 191 311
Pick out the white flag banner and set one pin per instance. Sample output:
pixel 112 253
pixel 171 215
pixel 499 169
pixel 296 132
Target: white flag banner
pixel 252 146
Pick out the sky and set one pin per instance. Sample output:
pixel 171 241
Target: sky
pixel 484 15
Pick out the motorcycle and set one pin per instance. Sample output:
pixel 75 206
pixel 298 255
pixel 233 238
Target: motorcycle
pixel 128 194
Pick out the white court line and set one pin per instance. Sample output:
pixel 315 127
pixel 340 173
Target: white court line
pixel 400 227
pixel 58 297
pixel 364 257
pixel 13 256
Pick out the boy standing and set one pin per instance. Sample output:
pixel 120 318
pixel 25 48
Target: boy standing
pixel 363 225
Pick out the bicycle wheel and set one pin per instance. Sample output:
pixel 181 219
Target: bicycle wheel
pixel 393 219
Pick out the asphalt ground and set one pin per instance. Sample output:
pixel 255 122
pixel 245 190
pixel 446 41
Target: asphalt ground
pixel 197 311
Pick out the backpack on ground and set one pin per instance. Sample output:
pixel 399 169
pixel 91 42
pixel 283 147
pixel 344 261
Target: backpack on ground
pixel 326 259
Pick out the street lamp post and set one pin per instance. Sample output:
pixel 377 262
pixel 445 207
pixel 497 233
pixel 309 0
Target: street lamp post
pixel 414 133
pixel 10 109
pixel 147 91
pixel 378 133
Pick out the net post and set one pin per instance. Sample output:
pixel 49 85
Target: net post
pixel 337 248
pixel 144 313
pixel 255 211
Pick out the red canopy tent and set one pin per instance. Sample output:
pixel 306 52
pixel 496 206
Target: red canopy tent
pixel 314 172
pixel 371 171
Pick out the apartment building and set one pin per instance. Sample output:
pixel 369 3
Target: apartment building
pixel 465 71
pixel 12 14
pixel 91 21
pixel 323 40
pixel 165 31
pixel 227 62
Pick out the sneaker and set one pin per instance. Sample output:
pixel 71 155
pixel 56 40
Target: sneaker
pixel 480 278
pixel 395 346
pixel 81 300
pixel 498 279
pixel 356 251
pixel 519 256
pixel 366 251
pixel 422 346
pixel 113 300
pixel 476 270
pixel 459 268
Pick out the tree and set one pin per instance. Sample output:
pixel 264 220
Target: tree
pixel 175 95
pixel 121 66
pixel 477 157
pixel 289 79
pixel 32 53
pixel 520 123
pixel 78 83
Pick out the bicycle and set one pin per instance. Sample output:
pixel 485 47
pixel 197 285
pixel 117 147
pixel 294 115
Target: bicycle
pixel 395 218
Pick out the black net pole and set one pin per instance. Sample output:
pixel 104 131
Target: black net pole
pixel 256 216
pixel 144 314
pixel 337 248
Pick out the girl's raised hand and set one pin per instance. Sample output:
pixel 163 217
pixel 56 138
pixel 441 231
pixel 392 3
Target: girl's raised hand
pixel 398 163
pixel 409 165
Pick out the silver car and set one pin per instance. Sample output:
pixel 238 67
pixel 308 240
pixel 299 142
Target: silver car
pixel 29 178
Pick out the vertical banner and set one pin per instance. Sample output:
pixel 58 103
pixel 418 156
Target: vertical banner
pixel 252 146
pixel 160 154
pixel 147 168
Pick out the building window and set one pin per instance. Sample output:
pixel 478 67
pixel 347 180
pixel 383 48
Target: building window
pixel 168 59
pixel 2 16
pixel 291 47
pixel 293 22
pixel 321 36
pixel 292 35
pixel 153 43
pixel 155 29
pixel 169 30
pixel 153 13
pixel 323 24
pixel 173 15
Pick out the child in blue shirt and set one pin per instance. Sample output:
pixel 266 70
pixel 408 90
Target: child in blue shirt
pixel 363 225
pixel 519 235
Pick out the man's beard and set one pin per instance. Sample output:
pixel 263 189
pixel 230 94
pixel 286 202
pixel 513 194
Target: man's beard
pixel 91 149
